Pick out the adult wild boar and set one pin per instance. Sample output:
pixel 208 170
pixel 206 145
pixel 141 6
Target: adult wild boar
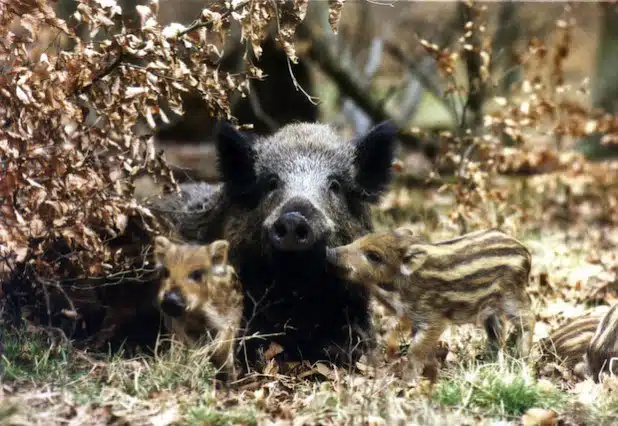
pixel 282 200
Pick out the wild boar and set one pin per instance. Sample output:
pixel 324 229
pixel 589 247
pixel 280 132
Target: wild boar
pixel 200 297
pixel 282 200
pixel 568 343
pixel 476 278
pixel 602 350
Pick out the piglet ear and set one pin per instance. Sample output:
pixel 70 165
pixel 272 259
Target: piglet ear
pixel 235 158
pixel 374 156
pixel 219 254
pixel 406 237
pixel 413 259
pixel 403 232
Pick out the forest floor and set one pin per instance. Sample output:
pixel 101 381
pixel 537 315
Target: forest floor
pixel 45 381
pixel 574 268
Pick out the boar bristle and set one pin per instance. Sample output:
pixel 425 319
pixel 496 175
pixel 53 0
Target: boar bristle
pixel 603 346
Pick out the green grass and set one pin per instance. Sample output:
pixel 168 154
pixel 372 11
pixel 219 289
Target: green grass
pixel 496 390
pixel 31 365
pixel 28 357
pixel 177 385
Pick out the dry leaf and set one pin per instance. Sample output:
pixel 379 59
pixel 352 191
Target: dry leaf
pixel 273 350
pixel 334 13
pixel 539 417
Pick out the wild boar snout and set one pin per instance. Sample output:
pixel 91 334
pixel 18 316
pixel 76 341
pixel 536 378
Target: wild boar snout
pixel 173 303
pixel 298 227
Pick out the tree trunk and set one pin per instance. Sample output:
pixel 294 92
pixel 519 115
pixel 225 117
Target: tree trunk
pixel 605 82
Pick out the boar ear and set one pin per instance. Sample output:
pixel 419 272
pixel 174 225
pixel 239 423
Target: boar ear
pixel 374 157
pixel 413 259
pixel 161 246
pixel 235 158
pixel 218 253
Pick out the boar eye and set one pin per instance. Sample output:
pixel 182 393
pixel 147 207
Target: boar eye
pixel 197 275
pixel 334 186
pixel 273 183
pixel 374 257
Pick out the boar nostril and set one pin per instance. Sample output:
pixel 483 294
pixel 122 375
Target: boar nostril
pixel 173 303
pixel 302 232
pixel 280 229
pixel 291 232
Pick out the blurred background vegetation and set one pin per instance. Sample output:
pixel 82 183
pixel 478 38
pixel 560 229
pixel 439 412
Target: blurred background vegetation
pixel 376 67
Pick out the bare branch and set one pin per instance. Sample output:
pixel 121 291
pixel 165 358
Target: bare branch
pixel 362 122
pixel 507 33
pixel 297 86
pixel 323 56
pixel 424 73
pixel 200 23
pixel 107 71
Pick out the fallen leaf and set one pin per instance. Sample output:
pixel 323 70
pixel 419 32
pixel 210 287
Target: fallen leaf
pixel 273 350
pixel 539 417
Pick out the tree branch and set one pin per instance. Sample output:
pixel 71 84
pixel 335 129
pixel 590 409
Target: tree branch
pixel 103 74
pixel 429 84
pixel 476 86
pixel 320 53
pixel 199 23
pixel 507 33
pixel 361 122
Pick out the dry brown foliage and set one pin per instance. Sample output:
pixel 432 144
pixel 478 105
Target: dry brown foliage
pixel 69 147
pixel 529 133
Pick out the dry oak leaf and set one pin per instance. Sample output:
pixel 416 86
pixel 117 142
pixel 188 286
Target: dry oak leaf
pixel 539 417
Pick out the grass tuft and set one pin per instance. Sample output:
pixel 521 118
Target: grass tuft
pixel 496 389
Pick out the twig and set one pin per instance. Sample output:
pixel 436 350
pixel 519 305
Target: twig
pixel 297 86
pixel 260 113
pixel 58 287
pixel 418 71
pixel 503 44
pixel 199 23
pixel 103 74
pixel 141 68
